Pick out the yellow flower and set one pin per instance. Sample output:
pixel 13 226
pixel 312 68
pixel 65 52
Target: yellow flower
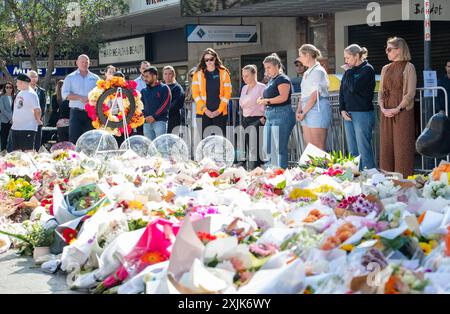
pixel 298 193
pixel 433 244
pixel 324 189
pixel 135 205
pixel 347 247
pixel 18 194
pixel 426 248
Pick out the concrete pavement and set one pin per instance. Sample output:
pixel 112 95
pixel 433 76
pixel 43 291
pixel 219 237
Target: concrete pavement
pixel 19 275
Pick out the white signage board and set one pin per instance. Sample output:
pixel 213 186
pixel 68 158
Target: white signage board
pixel 430 80
pixel 415 10
pixel 122 51
pixel 221 33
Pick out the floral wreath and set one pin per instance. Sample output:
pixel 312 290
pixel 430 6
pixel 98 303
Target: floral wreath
pixel 100 113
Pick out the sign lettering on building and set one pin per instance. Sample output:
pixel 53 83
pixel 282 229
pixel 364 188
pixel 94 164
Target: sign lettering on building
pixel 439 10
pixel 122 51
pixel 57 64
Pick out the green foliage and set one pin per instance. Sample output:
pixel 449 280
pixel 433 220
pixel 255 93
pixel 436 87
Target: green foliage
pixel 37 236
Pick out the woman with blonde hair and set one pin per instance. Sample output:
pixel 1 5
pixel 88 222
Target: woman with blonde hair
pixel 253 114
pixel 280 118
pixel 314 110
pixel 177 101
pixel 211 91
pixel 396 101
pixel 356 104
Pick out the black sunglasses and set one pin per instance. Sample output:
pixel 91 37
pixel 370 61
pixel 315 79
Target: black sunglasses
pixel 9 87
pixel 210 60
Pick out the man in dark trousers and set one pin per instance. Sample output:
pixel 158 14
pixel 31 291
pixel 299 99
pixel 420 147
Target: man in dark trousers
pixel 42 103
pixel 156 98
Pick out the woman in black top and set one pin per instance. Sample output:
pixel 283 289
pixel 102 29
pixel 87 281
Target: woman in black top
pixel 60 113
pixel 280 117
pixel 178 96
pixel 356 104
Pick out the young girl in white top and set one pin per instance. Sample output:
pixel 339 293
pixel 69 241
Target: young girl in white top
pixel 314 110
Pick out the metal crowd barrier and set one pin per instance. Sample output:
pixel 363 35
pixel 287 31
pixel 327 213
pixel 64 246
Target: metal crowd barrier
pixel 336 135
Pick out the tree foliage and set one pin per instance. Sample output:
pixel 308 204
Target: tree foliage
pixel 50 26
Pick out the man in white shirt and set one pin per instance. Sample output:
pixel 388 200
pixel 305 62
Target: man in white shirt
pixel 140 80
pixel 26 116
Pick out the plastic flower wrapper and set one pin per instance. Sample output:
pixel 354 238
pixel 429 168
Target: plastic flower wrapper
pixel 5 243
pixel 110 260
pixel 288 279
pixel 81 239
pixel 316 216
pixel 140 283
pixel 153 247
pixel 404 281
pixel 432 223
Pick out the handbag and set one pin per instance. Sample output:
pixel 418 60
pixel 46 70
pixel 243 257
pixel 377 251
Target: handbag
pixel 434 141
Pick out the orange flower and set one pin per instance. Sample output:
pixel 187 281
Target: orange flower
pixel 447 242
pixel 153 257
pixel 390 287
pixel 437 172
pixel 421 217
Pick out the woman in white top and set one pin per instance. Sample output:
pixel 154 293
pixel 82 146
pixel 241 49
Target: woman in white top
pixel 253 115
pixel 314 110
pixel 6 112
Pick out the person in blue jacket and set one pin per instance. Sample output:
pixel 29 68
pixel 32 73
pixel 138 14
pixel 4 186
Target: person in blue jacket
pixel 356 104
pixel 178 96
pixel 156 98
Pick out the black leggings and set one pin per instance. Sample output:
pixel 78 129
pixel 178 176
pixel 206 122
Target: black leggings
pixel 4 134
pixel 23 140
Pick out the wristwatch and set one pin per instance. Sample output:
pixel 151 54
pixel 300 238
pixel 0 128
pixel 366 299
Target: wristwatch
pixel 268 101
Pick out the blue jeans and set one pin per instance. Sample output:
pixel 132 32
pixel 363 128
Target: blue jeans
pixel 155 129
pixel 358 133
pixel 277 131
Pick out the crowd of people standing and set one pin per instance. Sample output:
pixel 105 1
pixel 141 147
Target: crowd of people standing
pixel 268 115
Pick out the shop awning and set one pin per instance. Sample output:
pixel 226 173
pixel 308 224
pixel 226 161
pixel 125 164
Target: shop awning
pixel 289 7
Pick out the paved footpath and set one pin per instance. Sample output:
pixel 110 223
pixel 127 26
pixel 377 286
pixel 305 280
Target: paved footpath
pixel 19 275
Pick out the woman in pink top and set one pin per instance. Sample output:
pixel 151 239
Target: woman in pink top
pixel 253 115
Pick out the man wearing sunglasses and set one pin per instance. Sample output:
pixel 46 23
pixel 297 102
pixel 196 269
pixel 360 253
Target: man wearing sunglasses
pixel 26 117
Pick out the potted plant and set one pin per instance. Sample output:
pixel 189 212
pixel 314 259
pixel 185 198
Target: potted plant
pixel 36 242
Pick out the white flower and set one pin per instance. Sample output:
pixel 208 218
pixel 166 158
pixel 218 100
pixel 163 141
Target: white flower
pixel 386 189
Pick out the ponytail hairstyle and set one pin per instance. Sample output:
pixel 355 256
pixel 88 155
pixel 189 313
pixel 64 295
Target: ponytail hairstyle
pixel 310 50
pixel 251 68
pixel 355 50
pixel 275 60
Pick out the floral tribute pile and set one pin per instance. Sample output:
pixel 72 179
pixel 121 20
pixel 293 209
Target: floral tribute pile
pixel 103 86
pixel 132 225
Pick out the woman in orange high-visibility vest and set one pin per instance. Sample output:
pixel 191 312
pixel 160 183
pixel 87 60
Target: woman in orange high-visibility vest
pixel 211 92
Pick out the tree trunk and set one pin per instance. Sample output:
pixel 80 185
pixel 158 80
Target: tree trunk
pixel 5 71
pixel 50 66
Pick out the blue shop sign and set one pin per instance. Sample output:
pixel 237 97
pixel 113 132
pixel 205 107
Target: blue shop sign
pixel 15 70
